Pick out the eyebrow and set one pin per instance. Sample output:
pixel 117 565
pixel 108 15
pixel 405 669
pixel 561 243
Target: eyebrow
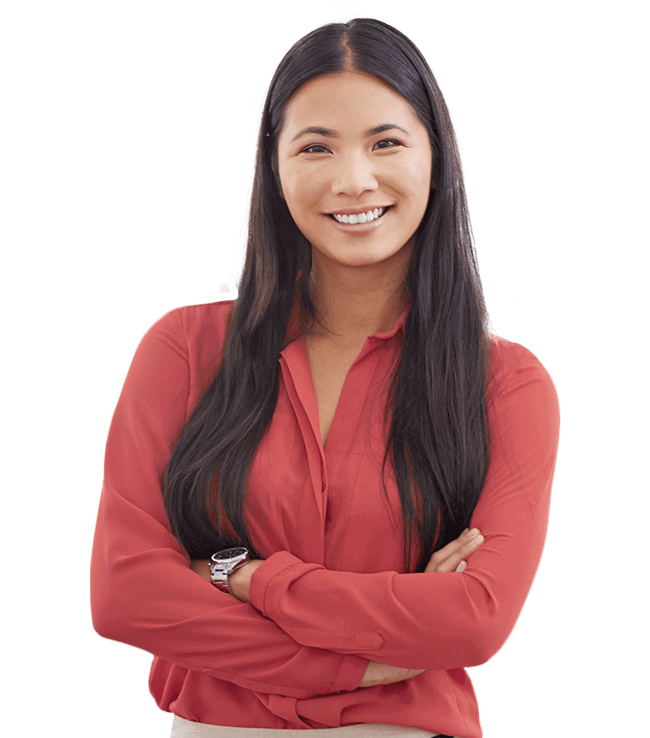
pixel 329 133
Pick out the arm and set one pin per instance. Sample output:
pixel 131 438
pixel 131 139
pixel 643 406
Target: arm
pixel 440 620
pixel 450 558
pixel 143 591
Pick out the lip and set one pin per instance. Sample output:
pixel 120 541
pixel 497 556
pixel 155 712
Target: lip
pixel 357 211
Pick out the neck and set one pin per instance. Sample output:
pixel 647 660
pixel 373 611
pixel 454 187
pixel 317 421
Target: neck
pixel 355 302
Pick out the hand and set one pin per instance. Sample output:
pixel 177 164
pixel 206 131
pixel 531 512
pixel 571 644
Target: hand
pixel 377 674
pixel 452 556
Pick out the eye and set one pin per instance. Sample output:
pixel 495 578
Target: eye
pixel 315 149
pixel 386 143
pixel 391 141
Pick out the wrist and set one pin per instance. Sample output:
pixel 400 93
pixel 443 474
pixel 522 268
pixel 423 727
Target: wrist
pixel 239 582
pixel 202 568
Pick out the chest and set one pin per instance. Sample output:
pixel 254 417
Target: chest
pixel 329 364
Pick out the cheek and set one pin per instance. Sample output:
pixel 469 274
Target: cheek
pixel 301 189
pixel 419 177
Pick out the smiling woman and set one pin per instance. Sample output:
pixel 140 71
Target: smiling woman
pixel 326 499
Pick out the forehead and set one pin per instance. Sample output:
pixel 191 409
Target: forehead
pixel 345 102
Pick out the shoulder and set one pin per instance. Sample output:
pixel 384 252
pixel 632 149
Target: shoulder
pixel 512 363
pixel 182 348
pixel 196 322
pixel 184 345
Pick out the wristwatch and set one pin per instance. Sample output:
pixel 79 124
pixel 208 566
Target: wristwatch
pixel 223 563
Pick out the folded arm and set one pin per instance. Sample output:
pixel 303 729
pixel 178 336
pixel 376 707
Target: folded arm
pixel 143 591
pixel 440 620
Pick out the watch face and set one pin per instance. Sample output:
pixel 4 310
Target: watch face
pixel 229 553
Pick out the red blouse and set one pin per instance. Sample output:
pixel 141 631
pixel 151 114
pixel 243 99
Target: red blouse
pixel 331 594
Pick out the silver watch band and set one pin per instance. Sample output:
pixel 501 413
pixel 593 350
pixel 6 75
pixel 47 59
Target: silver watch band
pixel 223 563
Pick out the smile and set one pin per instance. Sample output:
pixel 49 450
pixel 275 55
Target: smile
pixel 353 219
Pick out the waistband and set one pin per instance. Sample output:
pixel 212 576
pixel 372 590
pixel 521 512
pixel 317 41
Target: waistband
pixel 182 728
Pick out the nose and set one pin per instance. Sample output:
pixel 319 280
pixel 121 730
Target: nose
pixel 353 175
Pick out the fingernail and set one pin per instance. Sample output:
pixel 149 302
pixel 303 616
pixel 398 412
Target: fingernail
pixel 473 533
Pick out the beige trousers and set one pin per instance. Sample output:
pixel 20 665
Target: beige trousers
pixel 185 729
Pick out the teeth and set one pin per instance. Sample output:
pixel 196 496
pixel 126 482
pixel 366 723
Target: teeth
pixel 361 217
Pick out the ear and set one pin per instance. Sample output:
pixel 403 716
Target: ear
pixel 433 184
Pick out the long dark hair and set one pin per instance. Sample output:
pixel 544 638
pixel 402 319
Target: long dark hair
pixel 438 439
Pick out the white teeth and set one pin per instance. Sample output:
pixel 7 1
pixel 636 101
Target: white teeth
pixel 361 217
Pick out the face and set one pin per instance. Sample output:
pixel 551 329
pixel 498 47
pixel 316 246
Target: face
pixel 354 163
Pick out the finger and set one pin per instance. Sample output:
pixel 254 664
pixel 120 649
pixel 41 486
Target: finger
pixel 448 558
pixel 454 546
pixel 460 555
pixel 461 567
pixel 453 562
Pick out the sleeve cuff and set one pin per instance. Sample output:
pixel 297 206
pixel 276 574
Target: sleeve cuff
pixel 262 577
pixel 352 668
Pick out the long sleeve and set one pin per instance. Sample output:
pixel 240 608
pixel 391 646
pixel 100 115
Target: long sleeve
pixel 441 620
pixel 142 589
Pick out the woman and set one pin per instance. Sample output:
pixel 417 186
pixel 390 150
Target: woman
pixel 341 426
